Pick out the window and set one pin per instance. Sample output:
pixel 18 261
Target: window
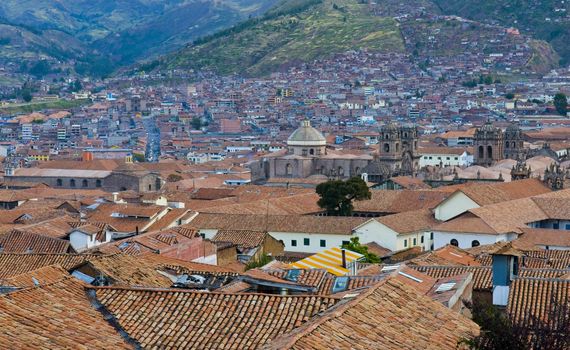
pixel 475 243
pixel 59 182
pixel 293 243
pixel 72 183
pixel 454 242
pixel 150 187
pixel 345 242
pixel 84 183
pixel 311 151
pixel 431 236
pixel 288 169
pixel 456 158
pixel 98 183
pixel 447 158
pixel 405 243
pixel 568 226
pixel 556 226
pixel 306 241
pixel 422 239
pixel 415 242
pixel 203 235
pixel 323 243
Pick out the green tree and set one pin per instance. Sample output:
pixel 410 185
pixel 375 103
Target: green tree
pixel 356 247
pixel 27 95
pixel 561 103
pixel 509 95
pixel 337 195
pixel 488 80
pixel 196 123
pixel 263 260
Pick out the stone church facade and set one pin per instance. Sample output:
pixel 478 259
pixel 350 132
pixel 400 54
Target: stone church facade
pixel 491 144
pixel 307 155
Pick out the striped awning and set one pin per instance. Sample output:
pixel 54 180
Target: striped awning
pixel 330 259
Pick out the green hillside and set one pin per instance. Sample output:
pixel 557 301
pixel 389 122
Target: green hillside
pixel 103 34
pixel 295 31
pixel 543 19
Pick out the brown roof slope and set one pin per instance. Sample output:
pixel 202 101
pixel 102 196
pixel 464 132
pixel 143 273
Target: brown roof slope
pixel 207 320
pixel 24 242
pixel 410 221
pixel 55 316
pixel 489 194
pixel 482 275
pixel 277 223
pixel 241 238
pixel 43 276
pixel 534 297
pixel 390 315
pixel 16 264
pixel 142 270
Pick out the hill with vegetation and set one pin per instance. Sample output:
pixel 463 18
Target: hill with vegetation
pixel 103 34
pixel 547 20
pixel 294 31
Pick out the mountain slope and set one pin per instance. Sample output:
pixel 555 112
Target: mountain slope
pixel 122 30
pixel 291 32
pixel 543 19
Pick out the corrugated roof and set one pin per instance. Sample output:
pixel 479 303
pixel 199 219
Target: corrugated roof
pixel 330 260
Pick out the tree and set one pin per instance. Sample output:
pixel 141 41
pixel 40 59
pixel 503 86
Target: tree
pixel 196 123
pixel 509 95
pixel 561 103
pixel 337 195
pixel 26 95
pixel 356 247
pixel 499 331
pixel 263 260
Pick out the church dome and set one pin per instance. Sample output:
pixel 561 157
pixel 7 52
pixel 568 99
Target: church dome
pixel 390 127
pixel 513 127
pixel 306 135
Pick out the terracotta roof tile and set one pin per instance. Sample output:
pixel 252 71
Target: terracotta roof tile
pixel 385 316
pixel 16 264
pixel 56 315
pixel 209 320
pixel 25 242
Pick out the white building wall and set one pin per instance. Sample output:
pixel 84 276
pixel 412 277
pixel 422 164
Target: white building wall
pixel 428 159
pixel 455 205
pixel 79 241
pixel 465 239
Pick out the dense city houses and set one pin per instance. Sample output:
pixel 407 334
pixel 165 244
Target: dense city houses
pixel 416 198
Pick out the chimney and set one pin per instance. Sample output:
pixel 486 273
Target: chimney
pixel 115 196
pixel 136 231
pixel 343 258
pixel 505 270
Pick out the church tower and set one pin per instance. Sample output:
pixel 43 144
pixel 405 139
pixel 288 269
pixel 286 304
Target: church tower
pixel 399 148
pixel 514 143
pixel 488 144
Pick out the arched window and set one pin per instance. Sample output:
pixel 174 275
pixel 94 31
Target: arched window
pixel 150 187
pixel 386 147
pixel 357 171
pixel 507 144
pixel 84 183
pixel 72 183
pixel 454 242
pixel 98 183
pixel 340 171
pixel 59 182
pixel 489 152
pixel 312 152
pixel 481 152
pixel 405 135
pixel 475 243
pixel 514 144
pixel 288 169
